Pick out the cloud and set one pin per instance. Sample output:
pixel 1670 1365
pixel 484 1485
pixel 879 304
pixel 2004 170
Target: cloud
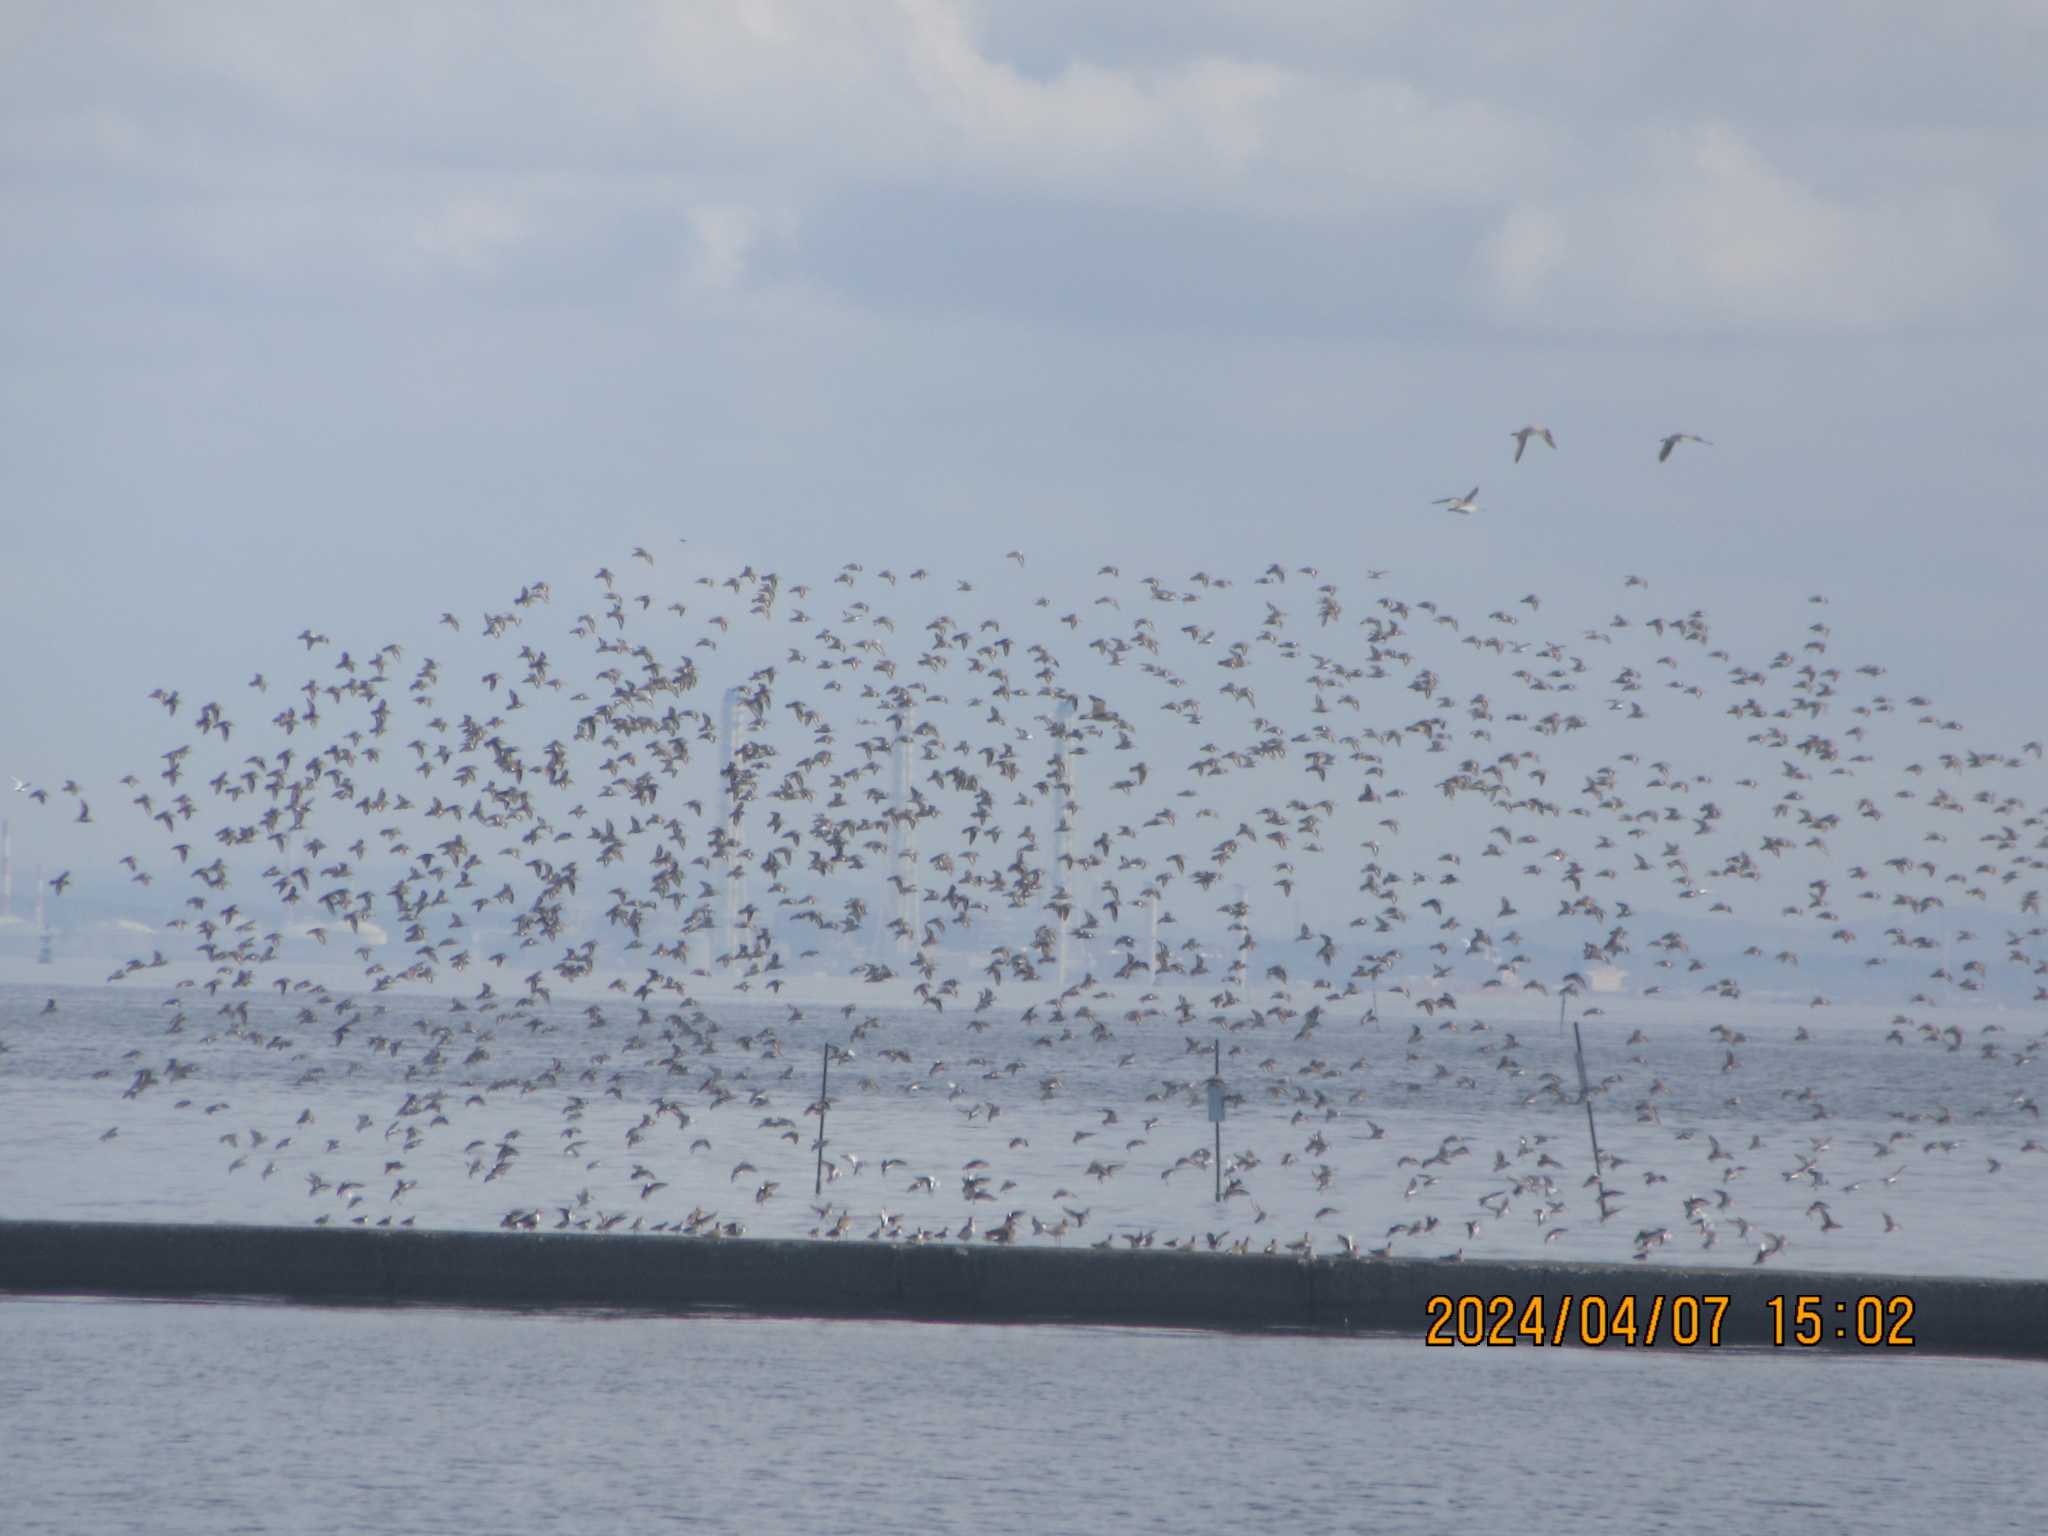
pixel 333 141
pixel 1708 233
pixel 908 89
pixel 723 237
pixel 1524 253
pixel 472 232
pixel 301 288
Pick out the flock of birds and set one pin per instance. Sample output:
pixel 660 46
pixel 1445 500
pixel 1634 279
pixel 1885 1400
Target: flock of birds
pixel 1468 503
pixel 1297 812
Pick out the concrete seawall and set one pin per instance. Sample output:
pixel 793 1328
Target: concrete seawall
pixel 985 1283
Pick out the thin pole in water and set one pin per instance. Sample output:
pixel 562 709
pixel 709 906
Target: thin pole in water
pixel 1219 1123
pixel 825 1077
pixel 1586 1098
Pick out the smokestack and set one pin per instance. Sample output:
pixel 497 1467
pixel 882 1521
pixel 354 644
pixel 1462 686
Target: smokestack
pixel 42 923
pixel 729 728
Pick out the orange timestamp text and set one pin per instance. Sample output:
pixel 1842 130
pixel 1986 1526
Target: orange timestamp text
pixel 1567 1319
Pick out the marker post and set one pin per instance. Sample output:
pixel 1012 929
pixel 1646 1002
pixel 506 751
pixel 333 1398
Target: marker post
pixel 1216 1111
pixel 1586 1098
pixel 824 1079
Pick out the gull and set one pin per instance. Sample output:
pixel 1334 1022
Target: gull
pixel 20 785
pixel 1461 504
pixel 1671 442
pixel 1522 441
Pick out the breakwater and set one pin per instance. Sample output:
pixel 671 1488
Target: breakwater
pixel 1472 1303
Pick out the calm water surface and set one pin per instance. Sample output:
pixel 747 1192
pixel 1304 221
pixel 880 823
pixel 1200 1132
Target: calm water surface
pixel 167 1419
pixel 1861 1151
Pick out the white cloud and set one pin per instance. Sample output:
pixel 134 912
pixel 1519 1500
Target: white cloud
pixel 472 232
pixel 723 238
pixel 1524 252
pixel 908 89
pixel 1706 232
pixel 569 134
pixel 911 90
pixel 1087 122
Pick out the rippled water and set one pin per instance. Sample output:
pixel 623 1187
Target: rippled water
pixel 180 1418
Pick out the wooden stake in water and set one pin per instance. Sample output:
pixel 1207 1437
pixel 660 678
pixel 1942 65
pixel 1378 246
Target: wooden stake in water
pixel 1586 1098
pixel 824 1079
pixel 1218 1117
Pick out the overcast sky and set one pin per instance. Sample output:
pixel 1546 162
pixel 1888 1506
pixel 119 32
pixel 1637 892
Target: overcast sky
pixel 344 314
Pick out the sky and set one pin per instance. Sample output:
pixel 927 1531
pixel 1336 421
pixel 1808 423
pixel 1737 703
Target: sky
pixel 343 315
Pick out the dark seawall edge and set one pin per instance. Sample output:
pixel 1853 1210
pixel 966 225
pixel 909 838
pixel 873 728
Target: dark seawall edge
pixel 957 1282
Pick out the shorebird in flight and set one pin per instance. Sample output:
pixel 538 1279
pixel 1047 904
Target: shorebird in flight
pixel 1522 439
pixel 1463 504
pixel 1675 439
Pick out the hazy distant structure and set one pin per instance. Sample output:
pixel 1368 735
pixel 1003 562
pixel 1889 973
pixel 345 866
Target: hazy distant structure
pixel 1241 925
pixel 6 869
pixel 903 877
pixel 42 921
pixel 734 875
pixel 1063 823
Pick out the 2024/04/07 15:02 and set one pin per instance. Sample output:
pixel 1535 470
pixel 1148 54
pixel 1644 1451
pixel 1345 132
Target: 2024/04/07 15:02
pixel 1683 1320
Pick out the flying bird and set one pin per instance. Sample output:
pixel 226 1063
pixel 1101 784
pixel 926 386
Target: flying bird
pixel 1671 442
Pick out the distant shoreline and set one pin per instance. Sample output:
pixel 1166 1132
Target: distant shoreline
pixel 953 1282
